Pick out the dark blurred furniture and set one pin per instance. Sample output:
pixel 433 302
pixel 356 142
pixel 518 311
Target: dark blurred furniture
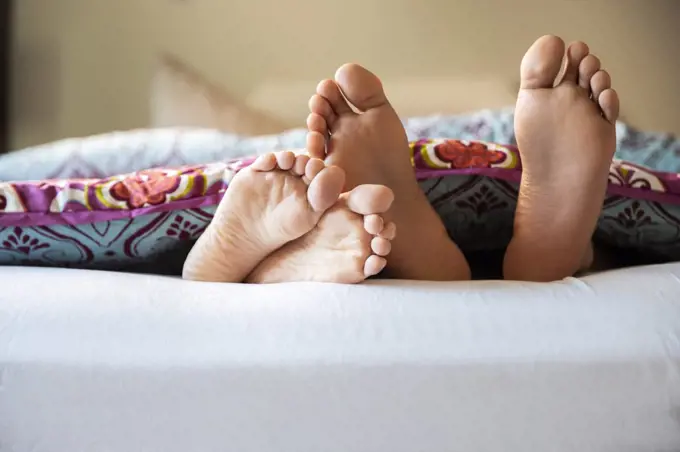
pixel 5 45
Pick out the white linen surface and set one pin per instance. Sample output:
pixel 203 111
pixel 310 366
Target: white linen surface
pixel 98 361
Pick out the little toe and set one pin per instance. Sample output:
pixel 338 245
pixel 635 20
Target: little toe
pixel 588 67
pixel 265 162
pixel 316 145
pixel 330 92
pixel 370 199
pixel 285 160
pixel 576 52
pixel 373 224
pixel 325 188
pixel 389 232
pixel 609 104
pixel 362 88
pixel 300 165
pixel 374 265
pixel 600 82
pixel 317 123
pixel 542 62
pixel 319 105
pixel 381 246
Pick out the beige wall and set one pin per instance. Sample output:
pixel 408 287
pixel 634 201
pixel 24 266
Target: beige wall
pixel 83 66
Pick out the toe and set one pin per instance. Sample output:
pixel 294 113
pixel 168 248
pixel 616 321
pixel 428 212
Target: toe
pixel 542 62
pixel 588 67
pixel 600 82
pixel 316 145
pixel 609 103
pixel 316 123
pixel 285 160
pixel 389 232
pixel 265 162
pixel 362 88
pixel 324 189
pixel 381 246
pixel 373 224
pixel 319 105
pixel 314 167
pixel 330 92
pixel 370 199
pixel 300 165
pixel 374 265
pixel 576 52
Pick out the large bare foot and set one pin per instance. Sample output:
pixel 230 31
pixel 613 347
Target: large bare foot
pixel 276 200
pixel 372 148
pixel 567 137
pixel 348 244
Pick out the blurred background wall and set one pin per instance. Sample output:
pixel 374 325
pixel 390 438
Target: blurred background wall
pixel 85 66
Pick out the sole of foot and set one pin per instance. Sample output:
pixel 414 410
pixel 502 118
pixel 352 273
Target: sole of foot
pixel 276 200
pixel 372 147
pixel 349 243
pixel 566 135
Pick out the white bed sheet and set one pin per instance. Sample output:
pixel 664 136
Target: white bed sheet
pixel 97 361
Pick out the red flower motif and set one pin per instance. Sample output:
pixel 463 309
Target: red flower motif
pixel 145 187
pixel 473 155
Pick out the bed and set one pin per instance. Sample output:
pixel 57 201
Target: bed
pixel 110 361
pixel 104 361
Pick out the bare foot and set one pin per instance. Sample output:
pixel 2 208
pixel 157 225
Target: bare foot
pixel 567 137
pixel 276 200
pixel 348 245
pixel 372 148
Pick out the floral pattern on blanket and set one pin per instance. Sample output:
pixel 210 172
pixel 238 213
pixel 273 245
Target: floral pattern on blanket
pixel 119 220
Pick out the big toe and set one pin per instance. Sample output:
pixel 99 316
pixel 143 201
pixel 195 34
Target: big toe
pixel 325 187
pixel 361 87
pixel 370 199
pixel 542 63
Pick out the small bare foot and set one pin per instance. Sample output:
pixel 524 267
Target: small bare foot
pixel 348 245
pixel 567 137
pixel 372 148
pixel 276 200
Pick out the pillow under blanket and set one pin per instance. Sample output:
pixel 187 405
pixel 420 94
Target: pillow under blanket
pixel 125 152
pixel 122 220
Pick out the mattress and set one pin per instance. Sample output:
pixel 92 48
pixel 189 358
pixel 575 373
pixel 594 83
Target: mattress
pixel 98 361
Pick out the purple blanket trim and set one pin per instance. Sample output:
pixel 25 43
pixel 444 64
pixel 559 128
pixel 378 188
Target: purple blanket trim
pixel 30 219
pixel 46 218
